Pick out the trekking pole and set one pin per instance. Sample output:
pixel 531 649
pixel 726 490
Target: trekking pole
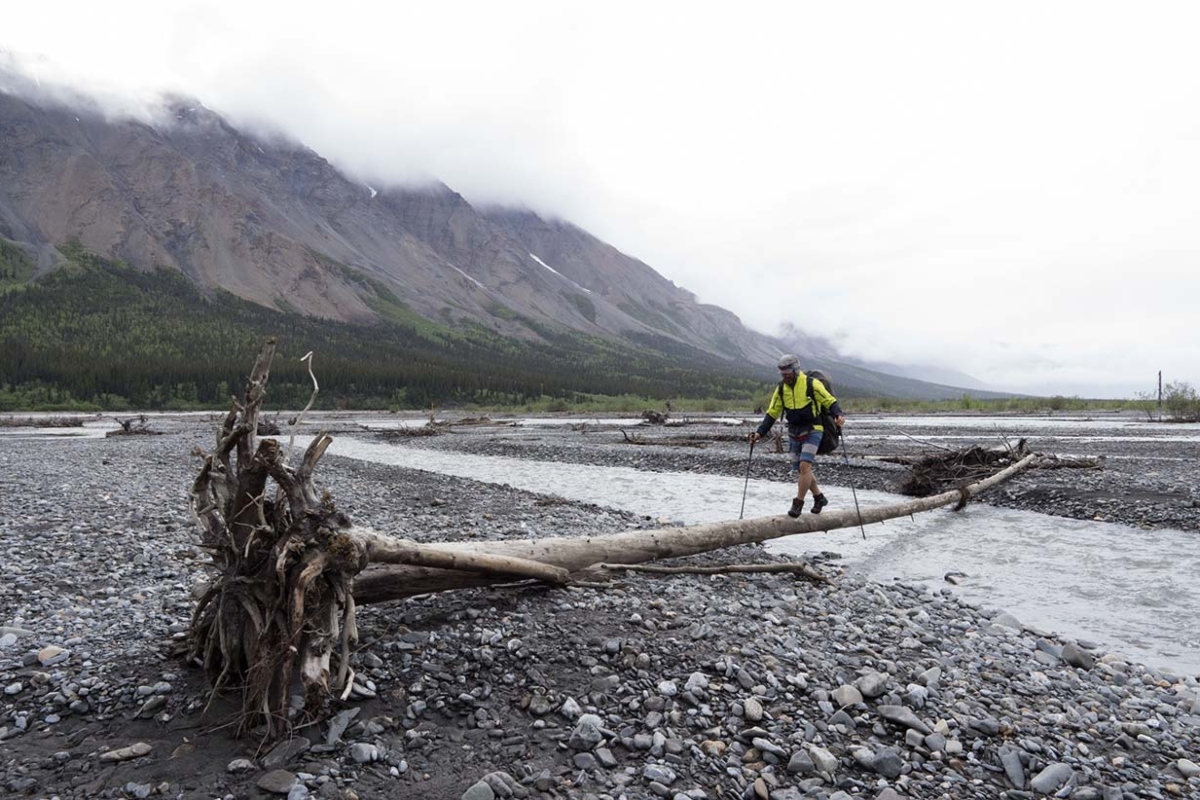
pixel 747 484
pixel 857 510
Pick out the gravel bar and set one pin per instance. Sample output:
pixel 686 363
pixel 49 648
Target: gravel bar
pixel 686 687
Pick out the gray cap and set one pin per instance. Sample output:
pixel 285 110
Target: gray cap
pixel 789 362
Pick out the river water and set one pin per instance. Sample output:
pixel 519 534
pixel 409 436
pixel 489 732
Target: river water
pixel 1132 591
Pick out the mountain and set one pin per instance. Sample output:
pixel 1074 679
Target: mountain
pixel 273 223
pixel 276 224
pixel 633 287
pixel 926 373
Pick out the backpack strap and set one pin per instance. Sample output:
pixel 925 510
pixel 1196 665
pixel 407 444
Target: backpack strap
pixel 811 397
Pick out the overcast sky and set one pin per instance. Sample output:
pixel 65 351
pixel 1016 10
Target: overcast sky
pixel 1011 189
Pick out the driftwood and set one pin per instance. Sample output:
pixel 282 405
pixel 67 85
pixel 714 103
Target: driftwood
pixel 135 426
pixel 797 567
pixel 282 599
pixel 1080 462
pixel 406 433
pixel 686 440
pixel 436 427
pixel 935 473
pixel 291 569
pixel 669 441
pixel 41 422
pixel 929 474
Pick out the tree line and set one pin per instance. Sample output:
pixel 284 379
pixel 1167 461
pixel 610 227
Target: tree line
pixel 99 334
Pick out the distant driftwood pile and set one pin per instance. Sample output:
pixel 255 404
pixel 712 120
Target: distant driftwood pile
pixel 935 473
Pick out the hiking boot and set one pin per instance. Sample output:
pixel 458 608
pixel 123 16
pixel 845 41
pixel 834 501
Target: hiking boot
pixel 819 502
pixel 797 507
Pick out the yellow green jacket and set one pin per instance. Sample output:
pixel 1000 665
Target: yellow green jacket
pixel 801 410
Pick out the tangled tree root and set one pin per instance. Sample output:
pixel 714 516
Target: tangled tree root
pixel 281 602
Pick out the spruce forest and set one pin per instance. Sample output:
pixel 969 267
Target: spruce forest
pixel 96 334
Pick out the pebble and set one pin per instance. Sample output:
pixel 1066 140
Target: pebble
pixel 904 717
pixel 136 750
pixel 277 781
pixel 1050 779
pixel 49 656
pixel 479 791
pixel 364 753
pixel 753 710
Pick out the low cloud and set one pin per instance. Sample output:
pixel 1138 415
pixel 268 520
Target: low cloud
pixel 1018 205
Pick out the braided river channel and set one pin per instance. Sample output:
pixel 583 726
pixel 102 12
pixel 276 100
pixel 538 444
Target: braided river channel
pixel 1130 591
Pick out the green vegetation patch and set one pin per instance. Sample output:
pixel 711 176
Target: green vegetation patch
pixel 16 266
pixel 584 304
pixel 642 314
pixel 501 311
pixel 987 406
pixel 1180 403
pixel 673 312
pixel 382 300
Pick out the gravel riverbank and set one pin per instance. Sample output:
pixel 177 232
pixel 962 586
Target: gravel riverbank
pixel 728 686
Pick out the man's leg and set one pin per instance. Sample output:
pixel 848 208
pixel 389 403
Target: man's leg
pixel 819 499
pixel 807 481
pixel 807 454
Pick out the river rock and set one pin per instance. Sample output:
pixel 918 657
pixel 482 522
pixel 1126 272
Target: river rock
pixel 903 716
pixel 277 781
pixel 872 685
pixel 753 710
pixel 136 750
pixel 846 695
pixel 888 763
pixel 1014 770
pixel 823 760
pixel 586 733
pixel 1050 779
pixel 1076 656
pixel 480 790
pixel 801 763
pixel 283 753
pixel 53 654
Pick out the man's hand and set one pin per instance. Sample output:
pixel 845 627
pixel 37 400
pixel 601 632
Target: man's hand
pixel 840 421
pixel 754 437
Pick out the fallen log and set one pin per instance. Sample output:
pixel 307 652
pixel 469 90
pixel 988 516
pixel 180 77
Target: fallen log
pixel 674 441
pixel 795 567
pixel 1079 462
pixel 378 585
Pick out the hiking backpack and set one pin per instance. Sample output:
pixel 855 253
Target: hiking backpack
pixel 833 434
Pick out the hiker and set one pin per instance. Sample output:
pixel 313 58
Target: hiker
pixel 804 428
